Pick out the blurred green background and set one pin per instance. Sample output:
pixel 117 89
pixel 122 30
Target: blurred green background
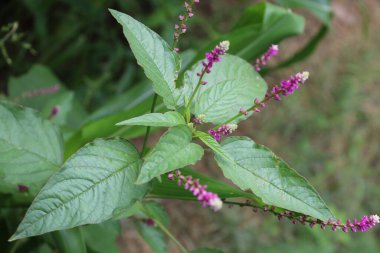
pixel 328 130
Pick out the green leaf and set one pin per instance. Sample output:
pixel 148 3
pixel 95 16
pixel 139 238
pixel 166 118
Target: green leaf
pixel 154 55
pixel 69 241
pixel 254 167
pixel 320 8
pixel 102 237
pixel 31 148
pixel 153 236
pixel 170 189
pixel 232 84
pixel 95 184
pixel 259 26
pixel 168 119
pixel 174 150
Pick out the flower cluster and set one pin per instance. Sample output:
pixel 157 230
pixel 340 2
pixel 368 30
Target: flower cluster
pixel 287 87
pixel 213 57
pixel 225 130
pixel 208 199
pixel 263 60
pixel 181 28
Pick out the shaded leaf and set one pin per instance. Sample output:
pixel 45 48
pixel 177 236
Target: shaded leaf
pixel 153 236
pixel 102 237
pixel 320 8
pixel 170 189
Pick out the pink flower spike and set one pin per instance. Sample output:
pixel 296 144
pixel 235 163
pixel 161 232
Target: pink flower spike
pixel 208 199
pixel 263 60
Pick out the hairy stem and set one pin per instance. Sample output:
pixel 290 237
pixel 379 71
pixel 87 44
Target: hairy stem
pixel 256 105
pixel 195 91
pixel 147 133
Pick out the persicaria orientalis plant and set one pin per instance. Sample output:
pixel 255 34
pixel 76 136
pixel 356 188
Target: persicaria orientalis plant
pixel 109 178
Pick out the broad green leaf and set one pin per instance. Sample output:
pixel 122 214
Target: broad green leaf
pixel 170 190
pixel 102 237
pixel 95 184
pixel 69 241
pixel 232 84
pixel 31 148
pixel 154 55
pixel 206 250
pixel 320 8
pixel 168 119
pixel 153 236
pixel 254 167
pixel 101 123
pixel 174 150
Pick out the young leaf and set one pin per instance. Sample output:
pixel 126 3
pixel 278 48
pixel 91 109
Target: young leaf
pixel 232 84
pixel 160 63
pixel 167 119
pixel 174 150
pixel 31 148
pixel 70 240
pixel 254 167
pixel 93 185
pixel 153 236
pixel 102 237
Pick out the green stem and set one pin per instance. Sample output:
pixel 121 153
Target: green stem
pixel 195 91
pixel 256 105
pixel 167 232
pixel 147 133
pixel 171 236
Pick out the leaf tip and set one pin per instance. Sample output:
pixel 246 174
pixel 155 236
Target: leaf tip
pixel 14 237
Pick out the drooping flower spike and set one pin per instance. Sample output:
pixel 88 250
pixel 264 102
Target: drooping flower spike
pixel 181 28
pixel 263 60
pixel 365 223
pixel 208 199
